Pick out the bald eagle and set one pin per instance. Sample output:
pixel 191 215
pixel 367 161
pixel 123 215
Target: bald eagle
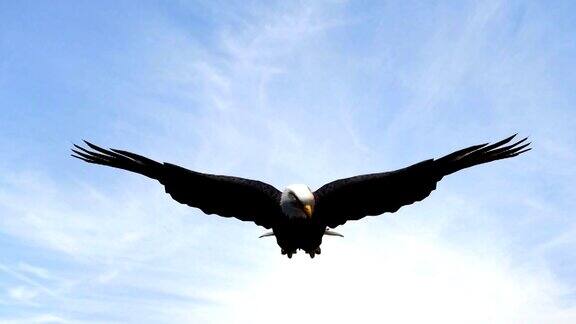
pixel 299 217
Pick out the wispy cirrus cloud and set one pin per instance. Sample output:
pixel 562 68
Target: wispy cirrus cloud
pixel 266 91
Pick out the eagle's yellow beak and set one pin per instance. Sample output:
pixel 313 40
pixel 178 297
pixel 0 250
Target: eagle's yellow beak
pixel 308 210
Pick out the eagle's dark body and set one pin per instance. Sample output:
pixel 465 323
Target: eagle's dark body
pixel 304 234
pixel 334 203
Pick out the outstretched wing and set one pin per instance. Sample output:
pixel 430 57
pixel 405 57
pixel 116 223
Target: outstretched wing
pixel 373 194
pixel 245 199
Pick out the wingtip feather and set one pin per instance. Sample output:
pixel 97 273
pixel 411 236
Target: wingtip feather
pixel 80 158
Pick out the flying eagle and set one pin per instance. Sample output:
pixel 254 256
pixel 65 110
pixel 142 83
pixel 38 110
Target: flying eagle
pixel 298 217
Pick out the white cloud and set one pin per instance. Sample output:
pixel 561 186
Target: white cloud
pixel 269 99
pixel 400 278
pixel 34 270
pixel 22 293
pixel 42 318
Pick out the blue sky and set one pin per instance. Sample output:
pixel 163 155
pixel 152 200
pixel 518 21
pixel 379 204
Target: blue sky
pixel 286 92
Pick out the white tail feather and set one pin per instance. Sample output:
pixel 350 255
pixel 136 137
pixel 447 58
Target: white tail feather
pixel 332 233
pixel 271 233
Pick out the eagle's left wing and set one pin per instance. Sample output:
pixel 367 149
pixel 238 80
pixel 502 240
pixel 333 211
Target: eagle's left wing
pixel 245 199
pixel 373 194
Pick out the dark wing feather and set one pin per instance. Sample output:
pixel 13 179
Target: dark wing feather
pixel 245 199
pixel 373 194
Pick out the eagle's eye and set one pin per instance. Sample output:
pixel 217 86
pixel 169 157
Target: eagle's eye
pixel 295 199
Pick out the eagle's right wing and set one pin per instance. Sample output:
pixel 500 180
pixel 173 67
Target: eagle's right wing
pixel 245 199
pixel 373 194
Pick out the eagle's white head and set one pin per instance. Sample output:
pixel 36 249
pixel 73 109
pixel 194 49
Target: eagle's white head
pixel 297 201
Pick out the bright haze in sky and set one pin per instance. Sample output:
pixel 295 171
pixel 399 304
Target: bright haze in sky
pixel 286 92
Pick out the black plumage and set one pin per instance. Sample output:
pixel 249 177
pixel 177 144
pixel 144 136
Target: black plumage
pixel 335 202
pixel 374 194
pixel 245 199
